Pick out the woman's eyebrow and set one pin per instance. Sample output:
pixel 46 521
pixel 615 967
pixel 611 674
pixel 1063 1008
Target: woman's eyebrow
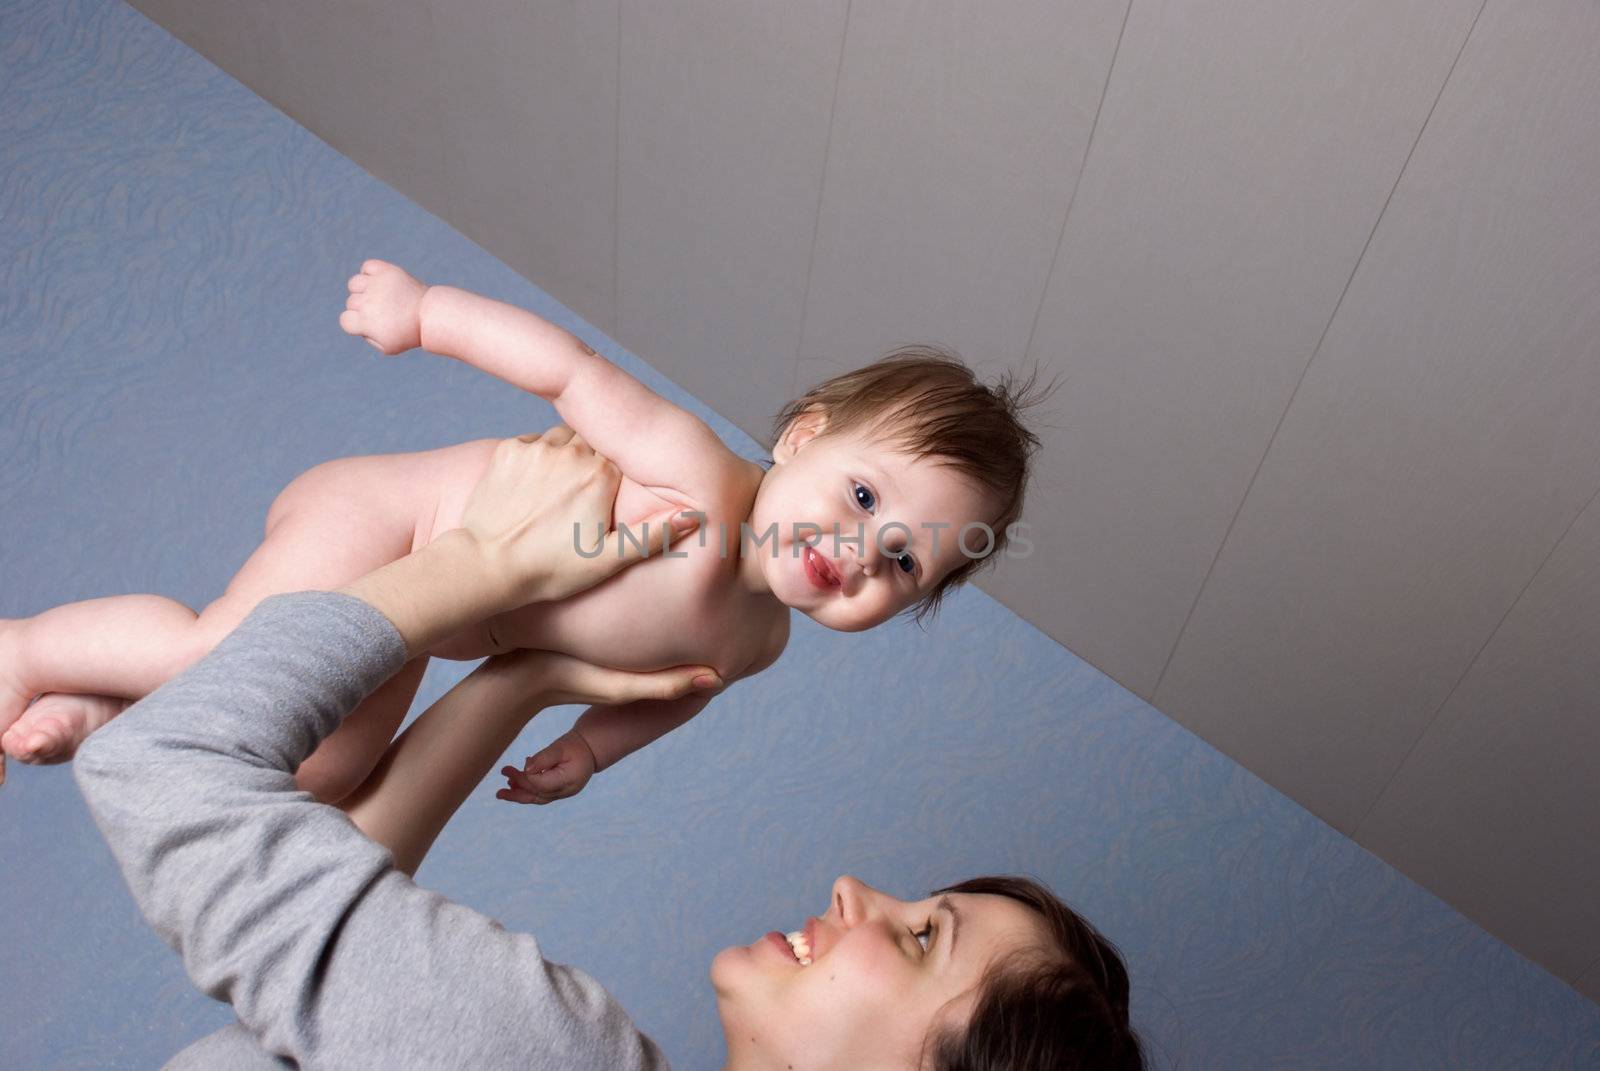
pixel 955 924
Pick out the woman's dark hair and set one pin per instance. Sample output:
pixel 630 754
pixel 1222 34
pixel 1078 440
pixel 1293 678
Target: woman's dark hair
pixel 1060 1008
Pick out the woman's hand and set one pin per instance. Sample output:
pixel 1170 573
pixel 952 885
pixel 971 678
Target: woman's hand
pixel 550 679
pixel 519 542
pixel 540 507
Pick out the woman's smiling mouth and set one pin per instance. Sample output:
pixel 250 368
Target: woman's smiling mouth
pixel 801 946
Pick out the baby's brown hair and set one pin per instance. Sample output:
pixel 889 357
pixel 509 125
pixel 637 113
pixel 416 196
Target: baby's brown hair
pixel 924 400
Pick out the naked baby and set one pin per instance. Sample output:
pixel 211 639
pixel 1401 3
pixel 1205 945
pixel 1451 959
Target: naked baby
pixel 888 486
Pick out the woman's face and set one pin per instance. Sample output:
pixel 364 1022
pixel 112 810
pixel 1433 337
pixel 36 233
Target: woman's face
pixel 883 972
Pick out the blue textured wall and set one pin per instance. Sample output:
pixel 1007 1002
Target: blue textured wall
pixel 172 261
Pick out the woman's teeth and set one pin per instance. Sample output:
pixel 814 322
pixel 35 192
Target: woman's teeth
pixel 802 947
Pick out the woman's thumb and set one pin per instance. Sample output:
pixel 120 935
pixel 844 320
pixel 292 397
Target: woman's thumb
pixel 707 681
pixel 630 543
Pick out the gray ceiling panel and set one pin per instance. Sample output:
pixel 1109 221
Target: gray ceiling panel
pixel 724 117
pixel 1443 439
pixel 1242 156
pixel 1495 809
pixel 1589 983
pixel 246 38
pixel 529 114
pixel 379 103
pixel 957 139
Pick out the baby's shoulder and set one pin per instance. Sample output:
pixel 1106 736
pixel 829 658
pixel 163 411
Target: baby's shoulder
pixel 729 488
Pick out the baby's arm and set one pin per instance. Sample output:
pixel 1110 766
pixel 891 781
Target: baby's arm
pixel 652 441
pixel 606 733
pixel 602 735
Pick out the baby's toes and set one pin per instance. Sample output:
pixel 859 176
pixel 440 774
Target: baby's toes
pixel 42 740
pixel 53 727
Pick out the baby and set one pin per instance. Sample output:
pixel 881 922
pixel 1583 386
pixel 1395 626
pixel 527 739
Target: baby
pixel 888 486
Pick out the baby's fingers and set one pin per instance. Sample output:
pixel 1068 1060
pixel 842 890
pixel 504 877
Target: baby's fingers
pixel 556 783
pixel 547 759
pixel 352 323
pixel 518 789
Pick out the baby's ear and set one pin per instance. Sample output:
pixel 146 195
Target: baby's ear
pixel 799 431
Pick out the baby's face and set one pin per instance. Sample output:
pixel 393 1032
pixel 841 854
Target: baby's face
pixel 908 514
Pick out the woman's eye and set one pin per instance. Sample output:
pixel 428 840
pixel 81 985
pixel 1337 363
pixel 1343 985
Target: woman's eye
pixel 865 497
pixel 925 937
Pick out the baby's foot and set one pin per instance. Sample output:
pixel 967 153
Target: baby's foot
pixel 13 696
pixel 51 729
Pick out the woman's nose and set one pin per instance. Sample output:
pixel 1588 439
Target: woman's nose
pixel 849 899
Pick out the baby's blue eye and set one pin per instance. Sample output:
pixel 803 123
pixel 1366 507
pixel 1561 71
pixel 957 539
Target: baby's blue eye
pixel 908 564
pixel 865 498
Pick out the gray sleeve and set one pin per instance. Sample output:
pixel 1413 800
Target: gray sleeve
pixel 280 906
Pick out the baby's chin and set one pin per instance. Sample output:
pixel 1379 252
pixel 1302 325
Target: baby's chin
pixel 831 622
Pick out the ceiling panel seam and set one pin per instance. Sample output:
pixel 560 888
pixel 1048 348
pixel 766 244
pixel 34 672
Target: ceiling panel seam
pixel 1334 315
pixel 1072 193
pixel 816 219
pixel 1498 625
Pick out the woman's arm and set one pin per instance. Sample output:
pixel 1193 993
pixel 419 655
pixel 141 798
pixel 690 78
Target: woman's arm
pixel 276 903
pixel 431 768
pixel 434 765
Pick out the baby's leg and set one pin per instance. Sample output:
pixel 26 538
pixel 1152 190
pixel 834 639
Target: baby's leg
pixel 332 772
pixel 120 646
pixel 326 529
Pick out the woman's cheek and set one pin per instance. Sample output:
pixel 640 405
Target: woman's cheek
pixel 865 971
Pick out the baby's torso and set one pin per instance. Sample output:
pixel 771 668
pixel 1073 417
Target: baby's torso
pixel 666 611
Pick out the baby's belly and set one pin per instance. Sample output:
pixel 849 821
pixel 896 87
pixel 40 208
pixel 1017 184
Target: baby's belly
pixel 610 629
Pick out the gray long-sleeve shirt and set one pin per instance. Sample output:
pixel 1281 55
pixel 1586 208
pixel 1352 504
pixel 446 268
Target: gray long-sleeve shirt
pixel 279 905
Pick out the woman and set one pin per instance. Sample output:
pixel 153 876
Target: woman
pixel 332 956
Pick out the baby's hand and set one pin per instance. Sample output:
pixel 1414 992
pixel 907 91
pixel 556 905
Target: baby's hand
pixel 559 771
pixel 385 307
